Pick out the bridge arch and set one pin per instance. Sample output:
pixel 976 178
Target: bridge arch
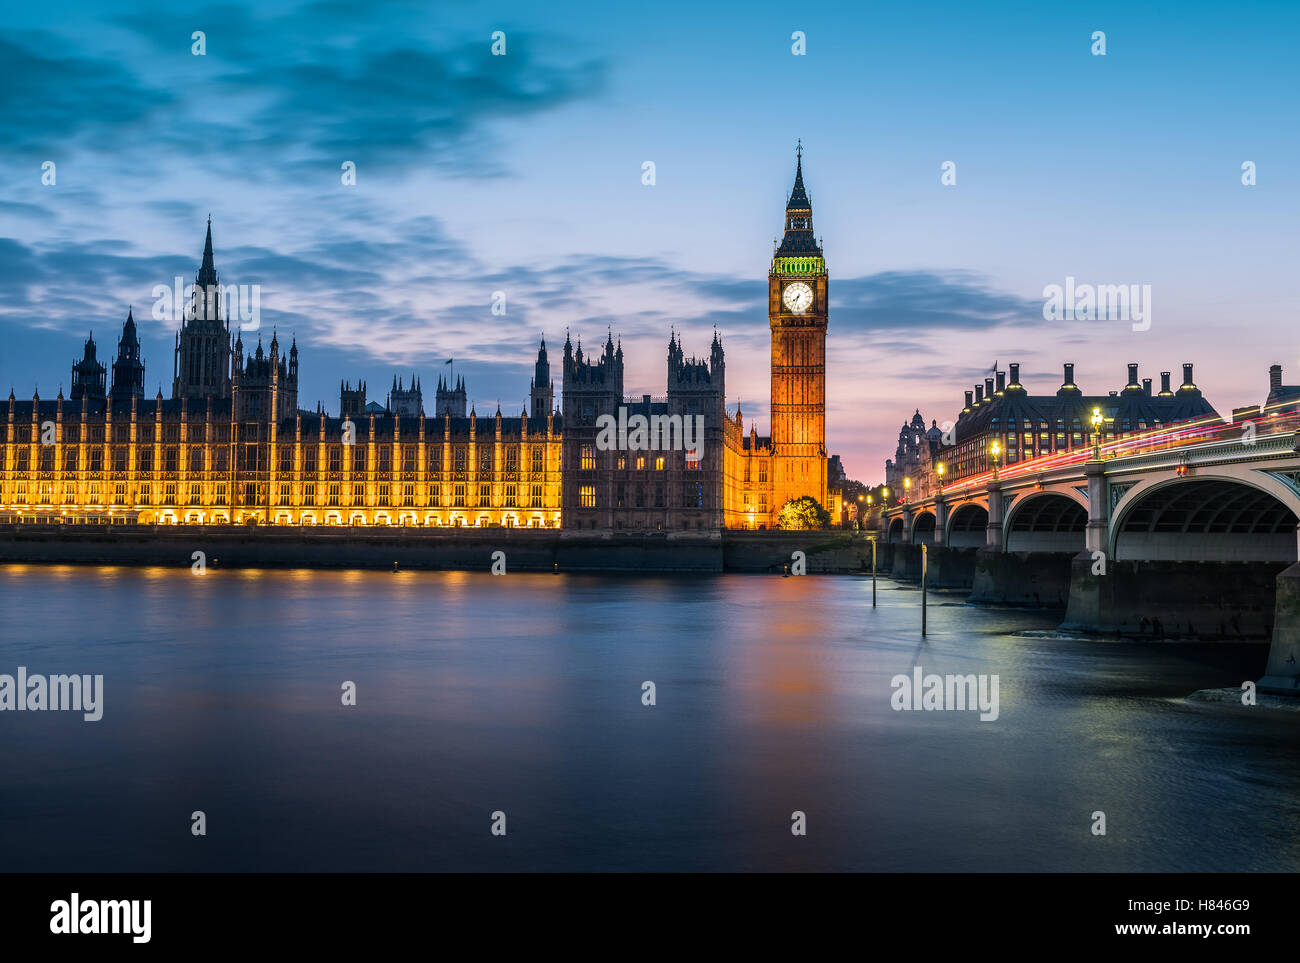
pixel 923 529
pixel 895 534
pixel 1215 518
pixel 1046 521
pixel 967 526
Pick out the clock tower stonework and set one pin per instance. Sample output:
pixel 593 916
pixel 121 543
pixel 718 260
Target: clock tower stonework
pixel 796 309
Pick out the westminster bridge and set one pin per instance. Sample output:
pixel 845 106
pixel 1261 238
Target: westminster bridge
pixel 1190 530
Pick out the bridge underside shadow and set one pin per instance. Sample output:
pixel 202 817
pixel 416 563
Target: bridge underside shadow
pixel 967 526
pixel 1044 531
pixel 1215 521
pixel 1193 559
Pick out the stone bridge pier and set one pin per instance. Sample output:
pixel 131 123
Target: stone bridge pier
pixel 907 553
pixel 1091 603
pixel 1282 673
pixel 1011 569
pixel 925 527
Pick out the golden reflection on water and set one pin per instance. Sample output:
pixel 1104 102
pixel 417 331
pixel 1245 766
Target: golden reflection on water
pixel 793 679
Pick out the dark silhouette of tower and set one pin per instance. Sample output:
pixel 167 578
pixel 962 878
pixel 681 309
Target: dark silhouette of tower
pixel 407 402
pixel 88 374
pixel 202 356
pixel 542 389
pixel 450 400
pixel 352 401
pixel 128 369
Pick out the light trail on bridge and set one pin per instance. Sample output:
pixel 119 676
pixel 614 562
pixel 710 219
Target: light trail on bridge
pixel 1193 434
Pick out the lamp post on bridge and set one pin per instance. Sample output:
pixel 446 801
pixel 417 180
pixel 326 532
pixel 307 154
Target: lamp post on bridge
pixel 993 532
pixel 907 512
pixel 1096 537
pixel 940 510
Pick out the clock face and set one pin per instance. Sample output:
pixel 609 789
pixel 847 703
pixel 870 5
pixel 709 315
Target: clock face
pixel 798 297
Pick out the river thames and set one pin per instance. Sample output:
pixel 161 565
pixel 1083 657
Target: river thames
pixel 522 694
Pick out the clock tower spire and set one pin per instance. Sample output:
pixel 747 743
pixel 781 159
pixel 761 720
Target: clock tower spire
pixel 797 302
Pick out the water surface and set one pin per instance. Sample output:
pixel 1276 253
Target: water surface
pixel 522 694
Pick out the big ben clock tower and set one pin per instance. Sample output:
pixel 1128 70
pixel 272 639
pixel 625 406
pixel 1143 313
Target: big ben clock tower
pixel 796 309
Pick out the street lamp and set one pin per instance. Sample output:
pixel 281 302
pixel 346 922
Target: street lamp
pixel 995 449
pixel 1096 432
pixel 907 487
pixel 939 469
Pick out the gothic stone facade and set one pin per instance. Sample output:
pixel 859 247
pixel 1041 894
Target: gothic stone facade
pixel 232 446
pixel 655 487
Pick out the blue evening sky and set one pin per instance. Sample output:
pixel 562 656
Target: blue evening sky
pixel 523 174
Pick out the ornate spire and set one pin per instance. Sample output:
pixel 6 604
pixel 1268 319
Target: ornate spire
pixel 798 240
pixel 208 270
pixel 798 197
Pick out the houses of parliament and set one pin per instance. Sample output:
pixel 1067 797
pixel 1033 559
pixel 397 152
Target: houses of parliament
pixel 231 445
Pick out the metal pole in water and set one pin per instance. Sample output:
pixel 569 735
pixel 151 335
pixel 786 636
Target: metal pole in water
pixel 873 573
pixel 925 570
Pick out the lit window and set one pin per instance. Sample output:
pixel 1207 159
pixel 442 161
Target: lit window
pixel 587 496
pixel 588 457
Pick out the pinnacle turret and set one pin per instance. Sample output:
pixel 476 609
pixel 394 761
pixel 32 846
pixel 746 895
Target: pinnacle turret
pixel 208 269
pixel 798 239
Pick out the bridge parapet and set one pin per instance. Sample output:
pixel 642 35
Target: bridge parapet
pixel 1270 446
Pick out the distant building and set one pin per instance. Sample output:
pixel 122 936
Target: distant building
pixel 917 452
pixel 1279 395
pixel 1029 426
pixel 1282 399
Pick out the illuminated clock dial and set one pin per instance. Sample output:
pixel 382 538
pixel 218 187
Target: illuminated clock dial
pixel 798 297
